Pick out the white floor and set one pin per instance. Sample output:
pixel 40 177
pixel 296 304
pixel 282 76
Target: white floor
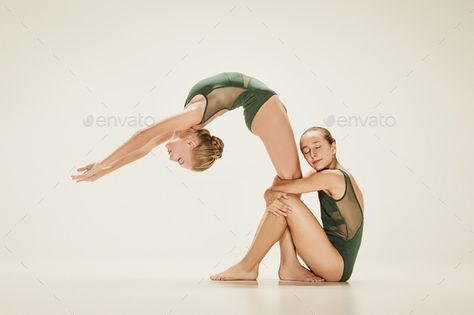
pixel 392 80
pixel 430 289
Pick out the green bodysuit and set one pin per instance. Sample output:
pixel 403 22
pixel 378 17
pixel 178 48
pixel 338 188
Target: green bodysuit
pixel 343 222
pixel 229 90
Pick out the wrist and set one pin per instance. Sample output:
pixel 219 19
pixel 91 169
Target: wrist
pixel 104 165
pixel 108 168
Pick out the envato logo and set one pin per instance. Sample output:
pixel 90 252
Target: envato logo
pixel 118 121
pixel 360 121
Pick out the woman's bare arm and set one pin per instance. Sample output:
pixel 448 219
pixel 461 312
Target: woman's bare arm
pixel 100 170
pixel 136 154
pixel 164 128
pixel 271 196
pixel 326 179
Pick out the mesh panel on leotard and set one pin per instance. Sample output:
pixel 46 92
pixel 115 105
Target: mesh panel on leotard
pixel 226 91
pixel 341 217
pixel 221 98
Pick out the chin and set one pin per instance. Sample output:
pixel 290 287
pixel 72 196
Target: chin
pixel 319 167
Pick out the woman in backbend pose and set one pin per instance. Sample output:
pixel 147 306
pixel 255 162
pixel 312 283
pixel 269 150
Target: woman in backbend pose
pixel 329 251
pixel 194 148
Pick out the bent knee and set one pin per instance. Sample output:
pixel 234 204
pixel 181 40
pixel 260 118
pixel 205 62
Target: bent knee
pixel 293 200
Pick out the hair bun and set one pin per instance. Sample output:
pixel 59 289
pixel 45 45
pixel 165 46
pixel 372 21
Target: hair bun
pixel 219 146
pixel 215 141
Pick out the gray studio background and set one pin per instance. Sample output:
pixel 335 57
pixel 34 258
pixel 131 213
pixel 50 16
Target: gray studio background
pixel 392 80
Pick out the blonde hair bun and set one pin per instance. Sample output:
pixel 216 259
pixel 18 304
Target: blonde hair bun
pixel 208 150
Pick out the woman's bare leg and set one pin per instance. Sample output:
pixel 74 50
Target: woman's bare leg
pixel 310 239
pixel 290 266
pixel 272 125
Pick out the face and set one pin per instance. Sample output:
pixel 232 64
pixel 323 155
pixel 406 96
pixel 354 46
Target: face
pixel 317 151
pixel 180 147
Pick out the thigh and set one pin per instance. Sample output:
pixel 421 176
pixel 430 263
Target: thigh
pixel 272 125
pixel 312 243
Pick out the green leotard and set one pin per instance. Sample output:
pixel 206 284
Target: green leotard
pixel 343 222
pixel 229 90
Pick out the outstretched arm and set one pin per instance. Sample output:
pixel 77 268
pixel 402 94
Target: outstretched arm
pixel 164 128
pixel 96 171
pixel 136 154
pixel 140 144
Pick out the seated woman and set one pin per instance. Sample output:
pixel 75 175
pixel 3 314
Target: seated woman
pixel 330 250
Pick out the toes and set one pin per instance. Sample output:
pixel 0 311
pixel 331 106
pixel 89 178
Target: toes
pixel 216 277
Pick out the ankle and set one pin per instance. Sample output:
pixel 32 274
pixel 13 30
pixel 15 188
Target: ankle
pixel 284 263
pixel 248 265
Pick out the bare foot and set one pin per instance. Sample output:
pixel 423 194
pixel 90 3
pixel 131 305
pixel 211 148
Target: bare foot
pixel 236 272
pixel 296 272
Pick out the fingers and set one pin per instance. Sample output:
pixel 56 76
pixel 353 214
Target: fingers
pixel 77 177
pixel 283 206
pixel 279 209
pixel 276 212
pixel 88 172
pixel 85 179
pixel 273 212
pixel 87 167
pixel 81 177
pixel 83 168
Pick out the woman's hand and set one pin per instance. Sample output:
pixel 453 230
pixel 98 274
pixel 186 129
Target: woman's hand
pixel 274 205
pixel 91 172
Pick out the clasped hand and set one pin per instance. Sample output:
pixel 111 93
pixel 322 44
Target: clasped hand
pixel 272 198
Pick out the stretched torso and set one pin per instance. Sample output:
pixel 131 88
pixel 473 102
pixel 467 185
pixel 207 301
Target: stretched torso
pixel 222 92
